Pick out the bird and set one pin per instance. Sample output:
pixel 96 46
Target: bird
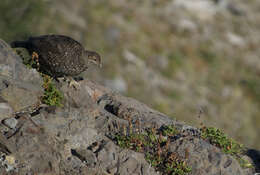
pixel 59 55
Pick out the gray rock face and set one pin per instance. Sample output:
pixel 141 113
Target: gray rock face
pixel 12 68
pixel 10 122
pixel 76 138
pixel 5 110
pixel 204 158
pixel 20 87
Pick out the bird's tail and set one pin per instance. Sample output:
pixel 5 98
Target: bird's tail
pixel 23 44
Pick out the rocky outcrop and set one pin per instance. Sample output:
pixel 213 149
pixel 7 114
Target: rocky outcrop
pixel 78 137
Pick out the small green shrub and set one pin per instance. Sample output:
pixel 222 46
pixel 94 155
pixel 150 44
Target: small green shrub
pixel 26 57
pixel 220 139
pixel 155 149
pixel 169 130
pixel 52 96
pixel 227 145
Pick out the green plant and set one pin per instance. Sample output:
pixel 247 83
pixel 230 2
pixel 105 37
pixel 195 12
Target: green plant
pixel 178 167
pixel 28 61
pixel 169 130
pixel 227 145
pixel 155 149
pixel 244 163
pixel 52 96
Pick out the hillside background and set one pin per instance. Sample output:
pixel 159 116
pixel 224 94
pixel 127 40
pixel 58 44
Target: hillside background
pixel 195 60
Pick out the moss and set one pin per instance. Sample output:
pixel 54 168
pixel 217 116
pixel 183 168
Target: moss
pixel 52 96
pixel 155 149
pixel 227 145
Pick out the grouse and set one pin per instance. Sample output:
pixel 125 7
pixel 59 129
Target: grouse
pixel 58 55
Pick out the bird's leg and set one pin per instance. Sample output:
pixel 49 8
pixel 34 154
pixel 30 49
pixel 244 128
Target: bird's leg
pixel 60 79
pixel 70 81
pixel 73 83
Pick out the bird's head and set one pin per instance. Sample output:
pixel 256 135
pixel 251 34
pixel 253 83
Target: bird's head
pixel 94 57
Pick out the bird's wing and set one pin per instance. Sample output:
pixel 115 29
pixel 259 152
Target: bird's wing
pixel 45 44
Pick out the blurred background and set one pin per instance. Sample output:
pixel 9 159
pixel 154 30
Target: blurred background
pixel 181 57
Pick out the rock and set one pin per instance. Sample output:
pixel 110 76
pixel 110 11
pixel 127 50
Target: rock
pixel 19 98
pixel 20 87
pixel 3 84
pixel 10 122
pixel 86 156
pixel 5 110
pixel 78 138
pixel 10 160
pixel 12 68
pixel 9 163
pixel 202 154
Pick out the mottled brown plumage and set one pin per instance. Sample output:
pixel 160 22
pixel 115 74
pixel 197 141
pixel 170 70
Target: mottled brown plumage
pixel 59 55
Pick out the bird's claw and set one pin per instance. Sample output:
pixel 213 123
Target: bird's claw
pixel 73 83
